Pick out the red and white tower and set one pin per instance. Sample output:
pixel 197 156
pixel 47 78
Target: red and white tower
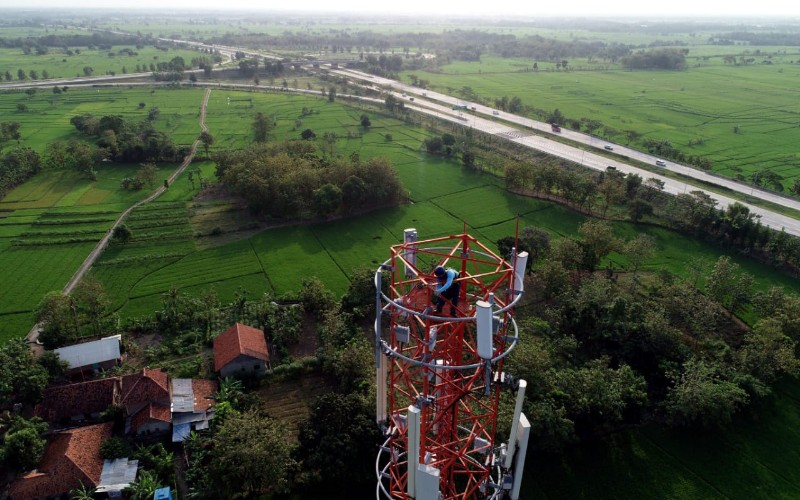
pixel 439 374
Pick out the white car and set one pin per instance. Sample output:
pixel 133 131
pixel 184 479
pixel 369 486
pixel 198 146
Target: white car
pixel 609 148
pixel 661 163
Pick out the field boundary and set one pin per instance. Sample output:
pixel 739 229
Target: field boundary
pixel 33 334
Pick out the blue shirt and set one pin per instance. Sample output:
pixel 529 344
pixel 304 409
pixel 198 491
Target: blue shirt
pixel 450 275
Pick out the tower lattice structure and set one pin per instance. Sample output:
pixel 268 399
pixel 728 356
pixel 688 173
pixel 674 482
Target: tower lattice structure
pixel 439 374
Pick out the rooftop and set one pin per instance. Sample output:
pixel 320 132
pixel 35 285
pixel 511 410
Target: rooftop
pixel 91 353
pixel 239 340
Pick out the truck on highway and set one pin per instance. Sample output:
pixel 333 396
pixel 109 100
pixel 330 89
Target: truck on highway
pixel 555 127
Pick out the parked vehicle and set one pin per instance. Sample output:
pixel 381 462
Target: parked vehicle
pixel 609 148
pixel 555 127
pixel 661 163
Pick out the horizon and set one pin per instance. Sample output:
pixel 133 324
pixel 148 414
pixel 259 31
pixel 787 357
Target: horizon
pixel 771 10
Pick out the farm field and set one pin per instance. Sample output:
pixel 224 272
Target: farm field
pixel 699 106
pixel 59 64
pixel 165 251
pixel 48 116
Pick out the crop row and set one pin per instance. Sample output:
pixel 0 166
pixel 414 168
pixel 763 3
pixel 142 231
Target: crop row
pixel 29 272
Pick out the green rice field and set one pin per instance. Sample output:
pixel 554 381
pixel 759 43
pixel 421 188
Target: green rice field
pixel 696 109
pixel 58 64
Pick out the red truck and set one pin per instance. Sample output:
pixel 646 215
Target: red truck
pixel 555 127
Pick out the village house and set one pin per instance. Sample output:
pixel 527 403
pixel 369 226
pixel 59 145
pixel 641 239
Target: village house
pixel 70 459
pixel 192 406
pixel 241 351
pixel 91 356
pixel 146 399
pixel 63 404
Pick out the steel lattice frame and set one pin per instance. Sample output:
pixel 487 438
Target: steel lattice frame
pixel 437 368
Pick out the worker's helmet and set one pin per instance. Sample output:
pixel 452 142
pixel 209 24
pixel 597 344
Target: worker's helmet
pixel 439 272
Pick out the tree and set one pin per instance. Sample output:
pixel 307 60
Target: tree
pixel 122 233
pixel 23 444
pixel 251 456
pixel 147 173
pixel 365 121
pixel 114 447
pixel 639 250
pixel 354 191
pixel 21 75
pixel 21 378
pixel 327 199
pixel 83 492
pixel 728 286
pixel 22 107
pixel 701 394
pixel 468 160
pixel 57 314
pixel 261 127
pixel 598 241
pixel 535 241
pixel 331 93
pixel 153 114
pixel 307 134
pixel 338 441
pixel 144 487
pixel 207 139
pixel 434 145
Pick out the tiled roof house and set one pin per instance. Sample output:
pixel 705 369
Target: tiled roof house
pixel 240 350
pixel 146 398
pixel 78 401
pixel 71 458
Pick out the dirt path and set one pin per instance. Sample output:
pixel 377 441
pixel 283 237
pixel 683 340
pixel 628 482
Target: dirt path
pixel 33 334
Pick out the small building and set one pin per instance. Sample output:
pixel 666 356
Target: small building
pixel 93 356
pixel 146 399
pixel 240 351
pixel 192 406
pixel 78 402
pixel 70 459
pixel 117 475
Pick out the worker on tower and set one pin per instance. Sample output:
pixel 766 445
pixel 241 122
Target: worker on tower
pixel 448 288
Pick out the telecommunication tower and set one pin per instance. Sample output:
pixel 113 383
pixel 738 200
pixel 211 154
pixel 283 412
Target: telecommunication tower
pixel 439 374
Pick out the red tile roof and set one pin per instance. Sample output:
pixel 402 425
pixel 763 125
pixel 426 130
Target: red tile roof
pixel 152 411
pixel 203 390
pixel 239 340
pixel 71 457
pixel 145 387
pixel 65 401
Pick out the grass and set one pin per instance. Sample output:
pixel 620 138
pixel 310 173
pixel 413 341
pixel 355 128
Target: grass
pixel 701 104
pixel 59 64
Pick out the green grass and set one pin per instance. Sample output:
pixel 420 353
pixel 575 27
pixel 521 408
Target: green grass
pixel 60 65
pixel 754 458
pixel 703 103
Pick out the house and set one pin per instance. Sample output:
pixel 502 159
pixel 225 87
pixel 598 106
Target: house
pixel 77 402
pixel 71 458
pixel 192 406
pixel 94 356
pixel 146 398
pixel 240 351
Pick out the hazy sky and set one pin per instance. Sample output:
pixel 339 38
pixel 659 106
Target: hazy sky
pixel 504 8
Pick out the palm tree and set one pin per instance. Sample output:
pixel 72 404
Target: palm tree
pixel 82 493
pixel 230 390
pixel 144 487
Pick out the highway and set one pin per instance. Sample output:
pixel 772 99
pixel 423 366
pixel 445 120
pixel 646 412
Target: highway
pixel 440 105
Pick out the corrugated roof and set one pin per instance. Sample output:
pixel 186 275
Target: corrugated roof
pixel 182 395
pixel 90 353
pixel 117 474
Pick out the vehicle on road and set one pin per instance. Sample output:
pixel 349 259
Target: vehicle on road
pixel 555 127
pixel 496 113
pixel 609 148
pixel 661 163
